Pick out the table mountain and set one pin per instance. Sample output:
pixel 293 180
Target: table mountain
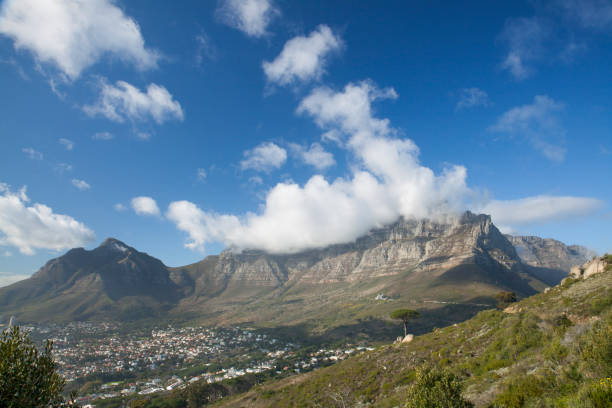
pixel 450 267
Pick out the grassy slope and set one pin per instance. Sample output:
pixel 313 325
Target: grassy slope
pixel 554 349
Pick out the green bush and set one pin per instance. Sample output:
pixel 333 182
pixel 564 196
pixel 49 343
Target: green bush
pixel 597 394
pixel 561 323
pixel 600 394
pixel 28 378
pixel 597 348
pixel 436 389
pixel 599 304
pixel 520 390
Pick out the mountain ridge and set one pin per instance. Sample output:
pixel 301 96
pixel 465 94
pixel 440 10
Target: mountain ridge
pixel 412 261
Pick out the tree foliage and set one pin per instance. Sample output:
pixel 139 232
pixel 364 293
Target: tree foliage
pixel 505 298
pixel 436 389
pixel 404 315
pixel 28 377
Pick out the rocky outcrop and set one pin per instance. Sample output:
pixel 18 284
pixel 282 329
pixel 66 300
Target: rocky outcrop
pixel 592 267
pixel 550 253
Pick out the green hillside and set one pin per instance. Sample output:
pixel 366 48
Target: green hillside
pixel 553 349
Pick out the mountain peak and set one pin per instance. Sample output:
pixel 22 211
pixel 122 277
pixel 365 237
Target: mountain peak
pixel 114 244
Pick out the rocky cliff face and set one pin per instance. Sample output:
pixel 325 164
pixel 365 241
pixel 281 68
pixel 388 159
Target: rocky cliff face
pixel 550 253
pixel 458 259
pixel 419 245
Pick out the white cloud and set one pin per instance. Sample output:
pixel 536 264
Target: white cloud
pixel 538 209
pixel 37 227
pixel 205 48
pixel 32 154
pixel 119 207
pixel 537 122
pixel 315 156
pixel 265 157
pixel 73 35
pixel 103 136
pixel 249 16
pixel 303 58
pixel 387 182
pixel 524 38
pixel 63 167
pixel 145 206
pixel 201 174
pixel 81 184
pixel 68 144
pixel 591 14
pixel 472 97
pixel 124 101
pixel 9 279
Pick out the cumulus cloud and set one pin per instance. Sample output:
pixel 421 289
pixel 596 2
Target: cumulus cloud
pixel 314 156
pixel 119 207
pixel 102 136
pixel 73 35
pixel 387 182
pixel 32 154
pixel 124 101
pixel 252 17
pixel 145 206
pixel 265 157
pixel 471 98
pixel 538 123
pixel 509 213
pixel 524 38
pixel 67 143
pixel 81 184
pixel 30 227
pixel 303 58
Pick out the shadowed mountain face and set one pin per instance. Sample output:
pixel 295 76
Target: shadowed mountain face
pixel 111 280
pixel 418 263
pixel 551 259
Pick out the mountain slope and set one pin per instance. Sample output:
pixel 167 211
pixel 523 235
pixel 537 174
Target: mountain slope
pixel 551 259
pixel 448 268
pixel 113 280
pixel 552 349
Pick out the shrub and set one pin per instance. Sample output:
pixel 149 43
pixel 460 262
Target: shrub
pixel 505 298
pixel 28 378
pixel 597 348
pixel 600 394
pixel 561 323
pixel 520 390
pixel 436 389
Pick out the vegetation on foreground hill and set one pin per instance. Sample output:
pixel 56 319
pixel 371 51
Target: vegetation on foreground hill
pixel 553 349
pixel 28 378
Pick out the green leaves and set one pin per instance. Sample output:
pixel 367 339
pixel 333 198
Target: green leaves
pixel 28 377
pixel 404 314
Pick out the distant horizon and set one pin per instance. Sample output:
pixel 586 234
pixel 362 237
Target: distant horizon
pixel 283 126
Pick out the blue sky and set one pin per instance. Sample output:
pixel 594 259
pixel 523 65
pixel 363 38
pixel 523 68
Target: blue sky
pixel 289 125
